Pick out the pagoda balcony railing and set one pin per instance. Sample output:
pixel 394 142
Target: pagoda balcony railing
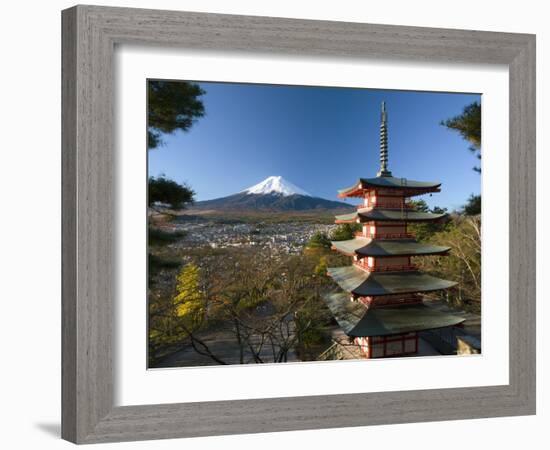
pixel 381 302
pixel 388 235
pixel 396 268
pixel 383 205
pixel 384 235
pixel 400 268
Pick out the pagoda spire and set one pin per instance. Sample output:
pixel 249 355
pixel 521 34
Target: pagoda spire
pixel 383 172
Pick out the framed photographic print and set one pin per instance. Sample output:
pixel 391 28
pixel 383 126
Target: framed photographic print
pixel 256 210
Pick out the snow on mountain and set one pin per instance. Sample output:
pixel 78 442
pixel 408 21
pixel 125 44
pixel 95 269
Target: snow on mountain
pixel 272 194
pixel 277 185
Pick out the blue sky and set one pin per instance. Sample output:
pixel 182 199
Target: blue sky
pixel 321 139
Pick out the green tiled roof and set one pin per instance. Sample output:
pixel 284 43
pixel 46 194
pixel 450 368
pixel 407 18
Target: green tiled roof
pixel 390 215
pixel 356 320
pixel 359 282
pixel 377 247
pixel 351 217
pixel 392 183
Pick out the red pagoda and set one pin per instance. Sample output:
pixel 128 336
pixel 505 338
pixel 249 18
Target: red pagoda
pixel 381 306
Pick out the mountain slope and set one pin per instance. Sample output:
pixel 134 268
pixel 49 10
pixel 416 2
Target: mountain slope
pixel 271 201
pixel 272 194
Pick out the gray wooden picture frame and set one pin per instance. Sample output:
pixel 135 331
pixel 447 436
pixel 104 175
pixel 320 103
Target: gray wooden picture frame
pixel 90 34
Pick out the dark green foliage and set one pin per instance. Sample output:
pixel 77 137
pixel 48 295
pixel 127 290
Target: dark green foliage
pixel 424 231
pixel 438 210
pixel 166 191
pixel 473 206
pixel 345 232
pixel 156 263
pixel 420 205
pixel 468 124
pixel 172 105
pixel 319 240
pixel 157 236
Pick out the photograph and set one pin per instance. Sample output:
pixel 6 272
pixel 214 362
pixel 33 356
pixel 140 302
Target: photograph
pixel 304 223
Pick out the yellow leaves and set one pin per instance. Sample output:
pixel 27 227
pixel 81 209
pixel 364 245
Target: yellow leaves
pixel 321 267
pixel 188 301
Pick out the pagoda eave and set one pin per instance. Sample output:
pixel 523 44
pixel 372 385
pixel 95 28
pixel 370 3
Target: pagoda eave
pixel 362 283
pixel 356 320
pixel 365 215
pixel 408 188
pixel 342 251
pixel 364 247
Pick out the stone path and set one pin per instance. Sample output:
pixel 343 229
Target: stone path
pixel 224 345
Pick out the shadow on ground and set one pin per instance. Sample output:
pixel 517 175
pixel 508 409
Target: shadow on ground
pixel 53 429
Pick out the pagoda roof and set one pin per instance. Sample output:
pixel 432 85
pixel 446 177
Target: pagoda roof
pixel 389 182
pixel 377 247
pixel 360 282
pixel 390 215
pixel 358 321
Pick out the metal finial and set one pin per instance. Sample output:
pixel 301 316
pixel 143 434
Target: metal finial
pixel 384 172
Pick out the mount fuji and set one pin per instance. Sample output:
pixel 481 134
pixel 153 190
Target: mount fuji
pixel 272 194
pixel 276 185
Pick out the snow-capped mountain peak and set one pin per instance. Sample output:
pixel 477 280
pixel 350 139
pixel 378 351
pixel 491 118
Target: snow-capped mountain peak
pixel 272 194
pixel 276 185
